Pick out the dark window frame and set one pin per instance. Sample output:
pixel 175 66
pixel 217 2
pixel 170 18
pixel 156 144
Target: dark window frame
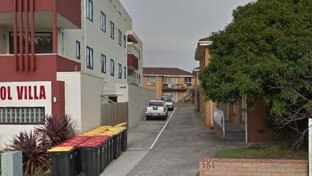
pixel 112 67
pixel 119 71
pixel 89 10
pixel 89 58
pixel 103 21
pixel 125 72
pixel 112 30
pixel 78 49
pixel 125 41
pixel 103 63
pixel 119 37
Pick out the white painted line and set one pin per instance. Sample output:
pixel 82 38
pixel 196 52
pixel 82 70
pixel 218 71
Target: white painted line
pixel 138 148
pixel 163 128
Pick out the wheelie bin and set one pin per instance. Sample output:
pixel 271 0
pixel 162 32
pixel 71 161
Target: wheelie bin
pixel 92 154
pixel 73 142
pixel 63 161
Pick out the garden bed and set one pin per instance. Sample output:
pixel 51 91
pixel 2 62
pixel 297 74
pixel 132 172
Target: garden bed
pixel 265 152
pixel 266 160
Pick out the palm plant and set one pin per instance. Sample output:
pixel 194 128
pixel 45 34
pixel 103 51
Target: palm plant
pixel 57 129
pixel 34 150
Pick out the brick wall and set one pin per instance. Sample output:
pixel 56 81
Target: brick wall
pixel 257 128
pixel 252 167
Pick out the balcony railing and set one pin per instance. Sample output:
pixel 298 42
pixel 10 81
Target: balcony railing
pixel 134 51
pixel 177 86
pixel 133 62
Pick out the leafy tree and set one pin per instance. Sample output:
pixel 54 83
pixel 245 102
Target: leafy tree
pixel 266 52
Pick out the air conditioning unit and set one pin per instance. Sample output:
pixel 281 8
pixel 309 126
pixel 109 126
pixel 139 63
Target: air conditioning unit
pixel 169 85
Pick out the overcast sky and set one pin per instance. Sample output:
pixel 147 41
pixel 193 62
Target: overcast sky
pixel 170 29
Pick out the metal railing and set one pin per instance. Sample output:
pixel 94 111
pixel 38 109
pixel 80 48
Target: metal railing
pixel 114 113
pixel 218 118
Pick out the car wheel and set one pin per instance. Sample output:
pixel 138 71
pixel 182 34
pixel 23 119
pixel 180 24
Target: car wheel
pixel 147 118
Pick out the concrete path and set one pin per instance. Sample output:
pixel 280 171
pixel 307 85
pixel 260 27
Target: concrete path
pixel 140 139
pixel 177 151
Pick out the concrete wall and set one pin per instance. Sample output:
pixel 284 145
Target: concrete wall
pixel 138 99
pixel 91 90
pixel 72 95
pixel 238 167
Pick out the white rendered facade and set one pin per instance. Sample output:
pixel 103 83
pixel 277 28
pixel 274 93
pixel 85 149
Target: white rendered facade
pixel 84 85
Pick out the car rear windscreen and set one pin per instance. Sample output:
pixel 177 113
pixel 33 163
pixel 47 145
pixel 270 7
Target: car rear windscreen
pixel 156 104
pixel 167 99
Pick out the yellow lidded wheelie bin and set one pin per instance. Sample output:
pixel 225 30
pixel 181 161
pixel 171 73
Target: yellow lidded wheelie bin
pixel 73 142
pixel 110 145
pixel 63 161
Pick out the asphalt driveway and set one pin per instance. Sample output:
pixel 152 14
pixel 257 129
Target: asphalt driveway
pixel 173 148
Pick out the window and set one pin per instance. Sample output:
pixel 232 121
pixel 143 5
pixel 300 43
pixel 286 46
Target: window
pixel 125 41
pixel 89 58
pixel 103 21
pixel 188 81
pixel 89 10
pixel 112 30
pixel 139 78
pixel 43 43
pixel 125 72
pixel 22 115
pixel 169 80
pixel 112 67
pixel 151 81
pixel 119 71
pixel 77 49
pixel 103 63
pixel 120 37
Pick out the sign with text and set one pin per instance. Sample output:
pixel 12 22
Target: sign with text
pixel 25 93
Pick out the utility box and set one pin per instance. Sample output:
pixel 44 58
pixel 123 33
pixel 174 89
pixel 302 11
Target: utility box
pixel 12 163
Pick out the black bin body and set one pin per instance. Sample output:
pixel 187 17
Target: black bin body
pixel 64 163
pixel 91 161
pixel 124 140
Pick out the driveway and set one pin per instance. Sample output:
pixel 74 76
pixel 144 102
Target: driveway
pixel 172 148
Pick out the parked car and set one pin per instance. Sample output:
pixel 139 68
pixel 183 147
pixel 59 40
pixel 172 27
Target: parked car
pixel 156 109
pixel 168 102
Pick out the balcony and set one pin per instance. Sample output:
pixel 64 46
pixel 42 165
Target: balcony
pixel 181 87
pixel 45 13
pixel 132 62
pixel 40 67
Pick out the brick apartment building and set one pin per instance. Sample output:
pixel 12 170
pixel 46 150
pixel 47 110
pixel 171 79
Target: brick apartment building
pixel 169 81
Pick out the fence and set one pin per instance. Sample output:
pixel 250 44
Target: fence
pixel 114 113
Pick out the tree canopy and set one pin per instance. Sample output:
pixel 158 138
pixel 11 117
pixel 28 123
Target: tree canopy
pixel 266 52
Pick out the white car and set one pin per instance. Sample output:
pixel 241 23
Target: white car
pixel 156 109
pixel 168 102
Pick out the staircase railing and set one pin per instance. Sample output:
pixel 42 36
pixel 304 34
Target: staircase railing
pixel 187 95
pixel 218 118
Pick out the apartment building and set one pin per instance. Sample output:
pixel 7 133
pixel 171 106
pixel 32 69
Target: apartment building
pixel 61 57
pixel 173 82
pixel 238 125
pixel 206 107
